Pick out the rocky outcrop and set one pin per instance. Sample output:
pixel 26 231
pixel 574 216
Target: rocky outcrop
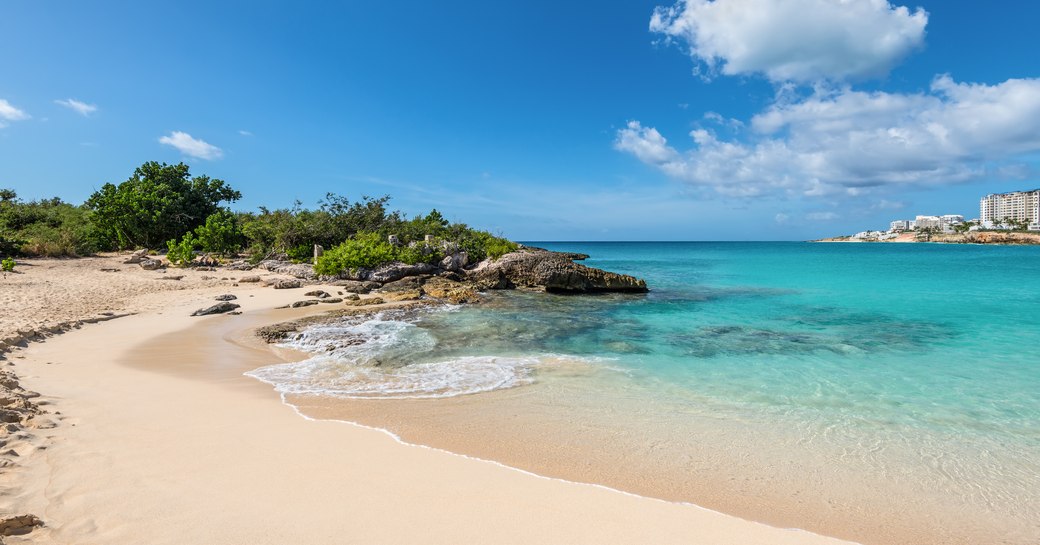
pixel 302 271
pixel 286 284
pixel 451 291
pixel 551 271
pixel 396 271
pixel 356 286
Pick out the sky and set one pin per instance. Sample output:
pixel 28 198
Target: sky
pixel 537 120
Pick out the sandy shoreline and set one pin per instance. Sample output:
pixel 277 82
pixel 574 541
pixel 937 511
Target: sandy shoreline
pixel 131 450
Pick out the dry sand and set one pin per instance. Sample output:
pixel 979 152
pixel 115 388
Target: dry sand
pixel 150 434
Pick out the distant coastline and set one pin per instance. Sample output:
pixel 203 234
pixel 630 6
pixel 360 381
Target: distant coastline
pixel 972 237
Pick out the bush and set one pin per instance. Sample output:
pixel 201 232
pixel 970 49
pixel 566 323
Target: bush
pixel 48 227
pixel 7 265
pixel 182 253
pixel 365 250
pixel 220 234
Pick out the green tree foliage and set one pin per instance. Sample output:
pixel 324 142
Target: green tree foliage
pixel 180 254
pixel 157 203
pixel 47 227
pixel 364 250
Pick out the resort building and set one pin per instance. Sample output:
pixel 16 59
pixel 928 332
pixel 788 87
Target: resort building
pixel 899 225
pixel 1019 206
pixel 927 222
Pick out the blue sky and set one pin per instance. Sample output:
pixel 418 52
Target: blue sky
pixel 702 120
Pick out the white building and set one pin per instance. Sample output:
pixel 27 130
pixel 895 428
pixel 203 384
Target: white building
pixel 1021 206
pixel 899 225
pixel 927 222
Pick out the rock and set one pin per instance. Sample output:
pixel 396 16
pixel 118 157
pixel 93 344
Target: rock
pixel 305 303
pixel 218 308
pixel 454 292
pixel 332 300
pixel 205 268
pixel 225 297
pixel 16 525
pixel 410 283
pixel 136 257
pixel 297 270
pixel 357 286
pixel 250 279
pixel 240 265
pixel 407 295
pixel 109 269
pixel 352 297
pixel 552 271
pixel 150 264
pixel 286 284
pixel 397 271
pixel 364 302
pixel 318 293
pixel 455 262
pixel 172 277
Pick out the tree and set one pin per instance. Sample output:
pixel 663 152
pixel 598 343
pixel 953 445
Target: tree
pixel 157 203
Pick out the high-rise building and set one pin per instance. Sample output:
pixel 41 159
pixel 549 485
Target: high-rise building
pixel 1023 206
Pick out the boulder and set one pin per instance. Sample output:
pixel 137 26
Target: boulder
pixel 410 283
pixel 402 295
pixel 298 270
pixel 551 271
pixel 331 300
pixel 455 262
pixel 250 279
pixel 240 265
pixel 305 303
pixel 357 286
pixel 150 264
pixel 396 271
pixel 16 525
pixel 286 284
pixel 225 297
pixel 318 293
pixel 218 308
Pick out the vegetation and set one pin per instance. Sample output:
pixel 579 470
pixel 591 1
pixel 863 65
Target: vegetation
pixel 157 203
pixel 164 205
pixel 47 227
pixel 7 265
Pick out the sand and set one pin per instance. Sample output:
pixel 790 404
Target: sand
pixel 151 434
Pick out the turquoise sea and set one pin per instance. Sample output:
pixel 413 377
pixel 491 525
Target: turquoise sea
pixel 914 364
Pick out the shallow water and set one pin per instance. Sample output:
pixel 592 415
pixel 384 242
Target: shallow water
pixel 911 369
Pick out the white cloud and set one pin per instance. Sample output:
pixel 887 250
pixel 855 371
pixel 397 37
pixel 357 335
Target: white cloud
pixel 245 133
pixel 821 216
pixel 9 113
pixel 843 142
pixel 82 108
pixel 781 218
pixel 794 40
pixel 192 146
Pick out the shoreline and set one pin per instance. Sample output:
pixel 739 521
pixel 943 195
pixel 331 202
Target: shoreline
pixel 103 408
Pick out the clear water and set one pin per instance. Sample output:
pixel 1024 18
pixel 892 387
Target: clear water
pixel 934 349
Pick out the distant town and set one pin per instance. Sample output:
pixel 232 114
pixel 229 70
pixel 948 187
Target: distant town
pixel 1014 211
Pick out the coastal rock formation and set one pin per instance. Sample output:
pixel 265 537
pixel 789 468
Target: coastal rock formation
pixel 249 279
pixel 225 297
pixel 552 271
pixel 320 294
pixel 356 286
pixel 304 303
pixel 286 284
pixel 298 270
pixel 364 302
pixel 455 262
pixel 397 271
pixel 454 292
pixel 218 308
pixel 16 525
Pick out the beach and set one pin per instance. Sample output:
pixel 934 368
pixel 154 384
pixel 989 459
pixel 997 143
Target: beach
pixel 150 433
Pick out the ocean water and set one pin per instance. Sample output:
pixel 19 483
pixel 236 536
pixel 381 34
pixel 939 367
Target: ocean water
pixel 918 364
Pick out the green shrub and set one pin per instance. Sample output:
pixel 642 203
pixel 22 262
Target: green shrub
pixel 182 253
pixel 365 250
pixel 220 234
pixel 47 227
pixel 7 265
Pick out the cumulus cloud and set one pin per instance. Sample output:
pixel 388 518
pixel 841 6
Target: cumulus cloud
pixel 193 147
pixel 9 113
pixel 82 108
pixel 842 141
pixel 793 40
